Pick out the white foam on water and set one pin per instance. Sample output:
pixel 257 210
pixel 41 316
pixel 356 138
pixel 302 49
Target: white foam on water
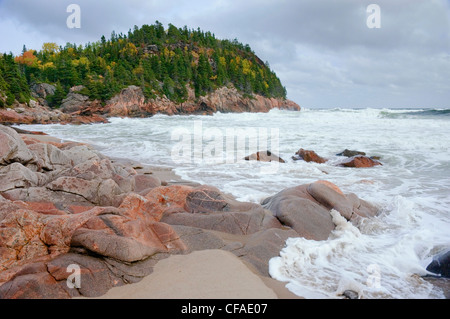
pixel 372 261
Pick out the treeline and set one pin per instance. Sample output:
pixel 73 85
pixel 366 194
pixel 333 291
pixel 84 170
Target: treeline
pixel 160 61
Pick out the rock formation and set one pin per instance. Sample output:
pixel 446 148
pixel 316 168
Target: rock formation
pixel 65 205
pixel 130 102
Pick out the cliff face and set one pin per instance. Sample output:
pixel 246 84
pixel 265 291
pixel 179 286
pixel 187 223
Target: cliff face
pixel 130 102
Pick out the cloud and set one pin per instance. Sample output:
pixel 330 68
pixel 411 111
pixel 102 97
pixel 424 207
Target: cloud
pixel 323 51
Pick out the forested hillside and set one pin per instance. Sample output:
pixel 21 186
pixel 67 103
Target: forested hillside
pixel 161 61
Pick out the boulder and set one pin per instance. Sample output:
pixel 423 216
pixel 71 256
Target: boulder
pixel 307 217
pixel 13 148
pixel 17 176
pixel 239 223
pixel 87 189
pixel 262 246
pixel 40 285
pixel 93 169
pixel 81 153
pixel 306 208
pixel 129 102
pixel 42 90
pixel 266 156
pixel 207 208
pixel 440 265
pixel 359 161
pixel 350 153
pixel 62 200
pixel 331 198
pixel 74 102
pixel 13 117
pixel 49 157
pixel 144 183
pixel 130 235
pixel 308 156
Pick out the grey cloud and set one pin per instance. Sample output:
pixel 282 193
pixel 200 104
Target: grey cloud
pixel 322 50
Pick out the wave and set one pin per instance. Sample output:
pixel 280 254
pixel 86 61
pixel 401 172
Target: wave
pixel 421 113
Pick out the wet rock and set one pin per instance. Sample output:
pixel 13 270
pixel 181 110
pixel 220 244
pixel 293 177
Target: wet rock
pixel 307 217
pixel 350 153
pixel 440 265
pixel 359 161
pixel 266 156
pixel 308 156
pixel 350 294
pixel 262 246
pixel 331 197
pixel 306 208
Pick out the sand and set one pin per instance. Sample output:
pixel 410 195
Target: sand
pixel 205 274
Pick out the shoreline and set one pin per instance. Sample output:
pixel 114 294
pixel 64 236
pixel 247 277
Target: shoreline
pixel 203 281
pixel 200 240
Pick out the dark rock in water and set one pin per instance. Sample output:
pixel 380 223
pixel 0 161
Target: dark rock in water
pixel 266 156
pixel 350 294
pixel 440 265
pixel 350 153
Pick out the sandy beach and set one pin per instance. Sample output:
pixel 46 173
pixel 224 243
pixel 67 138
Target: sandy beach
pixel 207 274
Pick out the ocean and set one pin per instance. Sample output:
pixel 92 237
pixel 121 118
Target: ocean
pixel 382 257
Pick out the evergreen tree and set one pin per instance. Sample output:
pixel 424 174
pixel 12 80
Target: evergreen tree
pixel 159 61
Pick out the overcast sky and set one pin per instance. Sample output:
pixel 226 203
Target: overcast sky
pixel 322 50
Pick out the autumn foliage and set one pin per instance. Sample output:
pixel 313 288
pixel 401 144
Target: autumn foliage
pixel 163 62
pixel 28 58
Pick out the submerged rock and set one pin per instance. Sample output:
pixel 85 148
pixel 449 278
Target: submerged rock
pixel 266 156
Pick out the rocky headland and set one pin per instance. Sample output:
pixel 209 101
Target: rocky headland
pixel 77 108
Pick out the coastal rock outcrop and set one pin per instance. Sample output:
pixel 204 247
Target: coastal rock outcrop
pixel 12 148
pixel 132 103
pixel 65 205
pixel 41 91
pixel 306 208
pixel 77 108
